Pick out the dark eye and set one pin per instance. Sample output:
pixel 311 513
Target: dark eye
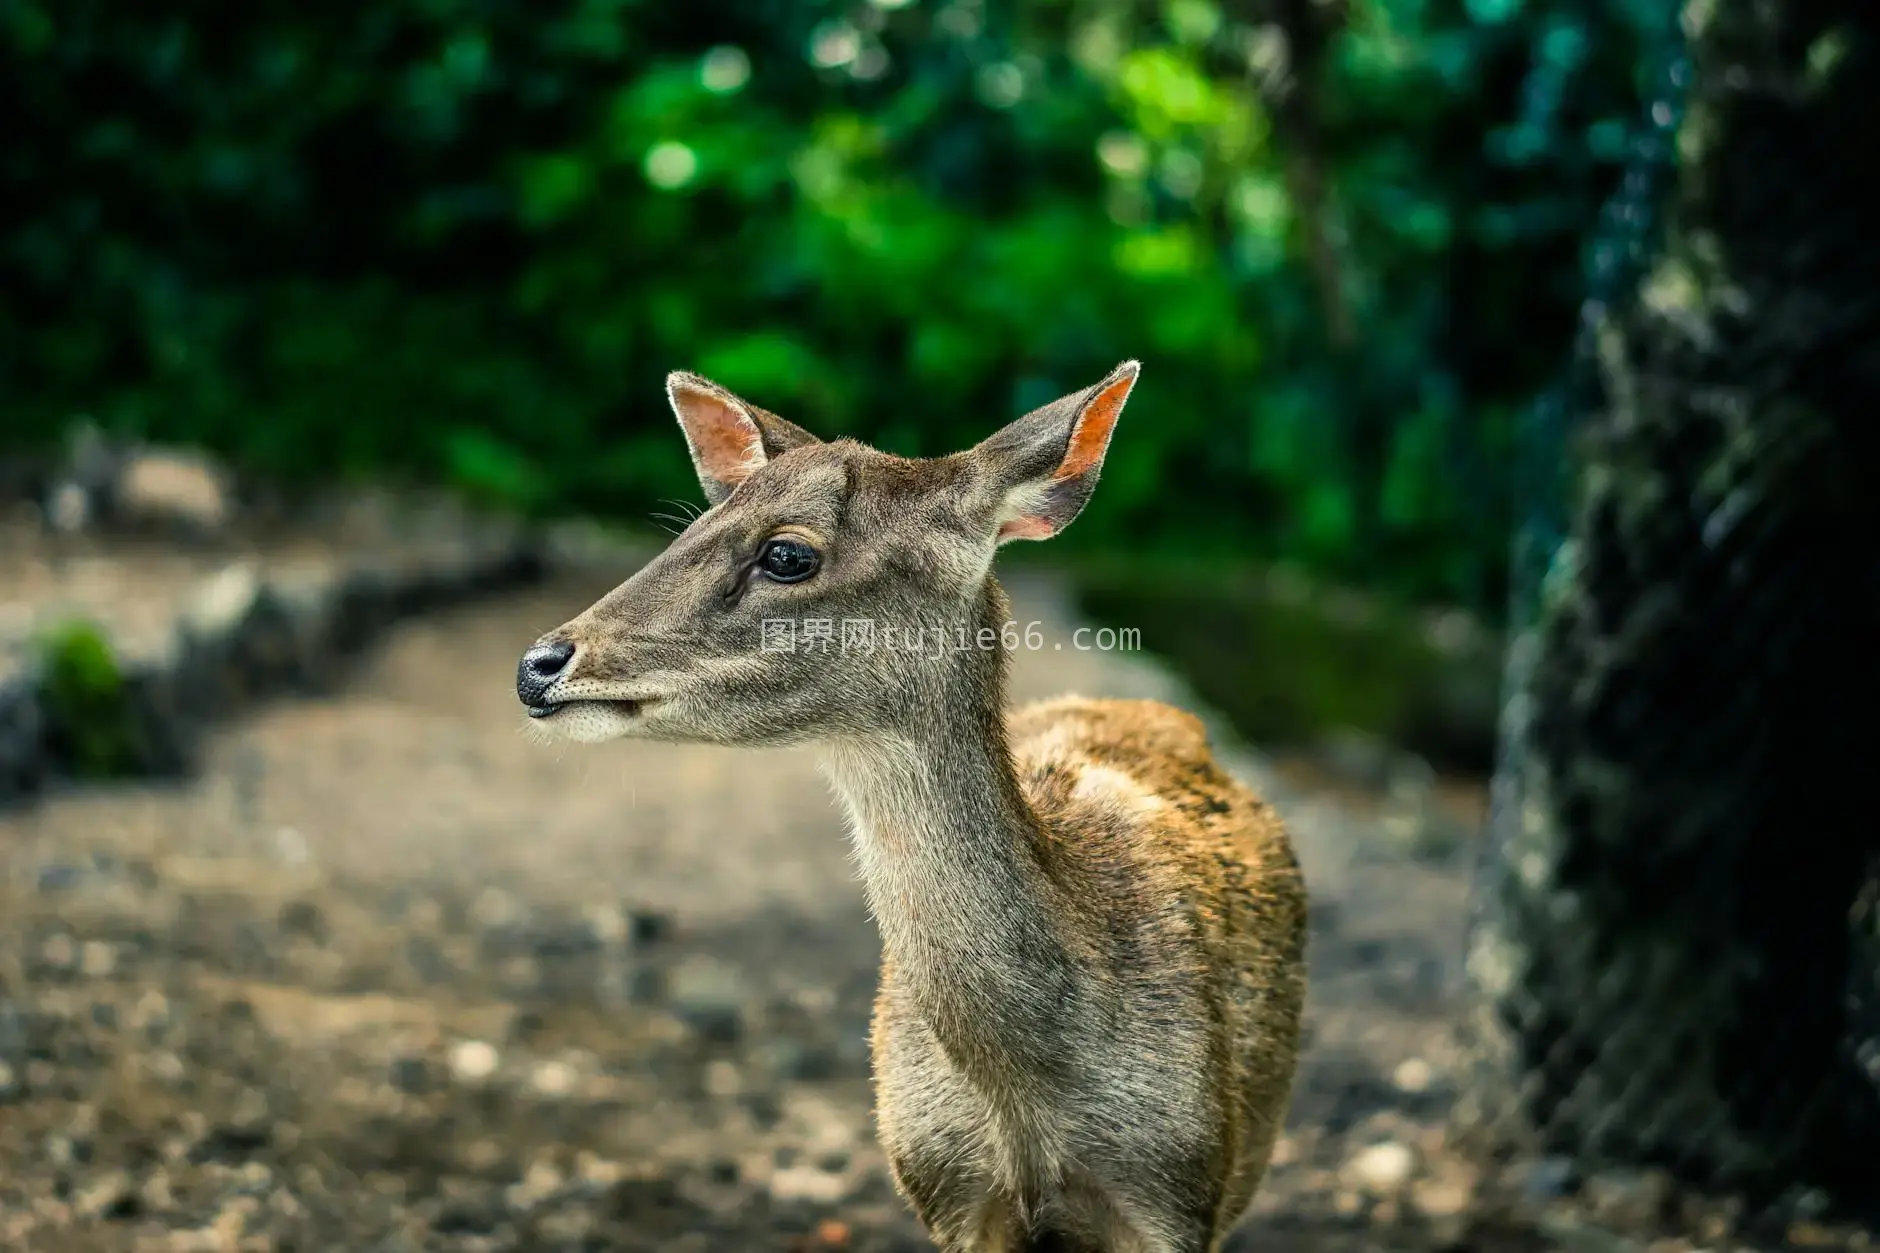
pixel 788 560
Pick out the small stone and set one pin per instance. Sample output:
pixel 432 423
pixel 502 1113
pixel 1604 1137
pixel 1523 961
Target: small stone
pixel 173 486
pixel 1440 1198
pixel 1549 1177
pixel 554 1079
pixel 59 877
pixel 166 1067
pixel 597 1171
pixel 59 952
pixel 722 1079
pixel 157 1195
pixel 832 1233
pixel 647 927
pixel 709 997
pixel 410 1075
pixel 607 923
pixel 151 1013
pixel 69 508
pixel 97 959
pixel 495 908
pixel 1413 1075
pixel 473 1061
pixel 806 1183
pixel 303 918
pixel 1383 1169
pixel 646 986
pixel 111 1198
pixel 9 1082
pixel 540 1182
pixel 291 846
pixel 1630 1196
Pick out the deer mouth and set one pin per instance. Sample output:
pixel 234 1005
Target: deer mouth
pixel 629 708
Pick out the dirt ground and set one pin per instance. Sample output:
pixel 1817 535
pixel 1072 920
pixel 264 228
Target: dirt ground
pixel 388 976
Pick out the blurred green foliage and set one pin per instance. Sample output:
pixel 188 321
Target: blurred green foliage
pixel 463 240
pixel 86 699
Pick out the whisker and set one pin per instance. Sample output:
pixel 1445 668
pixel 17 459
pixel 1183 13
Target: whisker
pixel 690 509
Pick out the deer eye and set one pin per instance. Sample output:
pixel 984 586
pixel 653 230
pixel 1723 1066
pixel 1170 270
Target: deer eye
pixel 788 560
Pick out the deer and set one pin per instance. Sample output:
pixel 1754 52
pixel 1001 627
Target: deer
pixel 1093 936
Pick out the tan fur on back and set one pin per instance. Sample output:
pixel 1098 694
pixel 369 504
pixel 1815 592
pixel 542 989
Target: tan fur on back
pixel 1215 851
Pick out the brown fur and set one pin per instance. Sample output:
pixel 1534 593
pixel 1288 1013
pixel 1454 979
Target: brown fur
pixel 1093 937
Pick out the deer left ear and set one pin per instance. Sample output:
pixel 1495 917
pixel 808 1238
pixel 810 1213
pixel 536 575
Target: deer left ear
pixel 1045 465
pixel 729 438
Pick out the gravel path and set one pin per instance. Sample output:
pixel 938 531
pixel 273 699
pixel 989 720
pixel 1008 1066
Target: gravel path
pixel 391 977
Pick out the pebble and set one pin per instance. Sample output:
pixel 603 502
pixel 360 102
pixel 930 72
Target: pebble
pixel 59 952
pixel 806 1183
pixel 722 1079
pixel 9 1083
pixel 473 1061
pixel 291 846
pixel 1383 1168
pixel 554 1079
pixel 1413 1075
pixel 1549 1177
pixel 410 1075
pixel 97 959
pixel 541 1181
pixel 59 877
pixel 832 1233
pixel 1441 1198
pixel 647 927
pixel 607 923
pixel 709 996
pixel 108 1197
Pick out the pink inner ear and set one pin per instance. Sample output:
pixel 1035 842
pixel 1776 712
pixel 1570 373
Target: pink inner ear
pixel 1025 528
pixel 725 440
pixel 1091 435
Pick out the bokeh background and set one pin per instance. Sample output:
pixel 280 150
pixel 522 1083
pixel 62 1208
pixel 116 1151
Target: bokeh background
pixel 462 242
pixel 1499 490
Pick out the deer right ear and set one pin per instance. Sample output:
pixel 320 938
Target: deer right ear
pixel 729 439
pixel 1045 465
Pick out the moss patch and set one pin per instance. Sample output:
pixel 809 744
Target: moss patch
pixel 87 701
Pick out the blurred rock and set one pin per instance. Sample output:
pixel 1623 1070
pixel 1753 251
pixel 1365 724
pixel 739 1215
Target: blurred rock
pixel 166 487
pixel 1413 1075
pixel 708 996
pixel 473 1061
pixel 1550 1177
pixel 410 1075
pixel 1383 1169
pixel 111 1197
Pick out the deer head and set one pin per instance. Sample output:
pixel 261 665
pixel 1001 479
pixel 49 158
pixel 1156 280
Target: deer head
pixel 829 590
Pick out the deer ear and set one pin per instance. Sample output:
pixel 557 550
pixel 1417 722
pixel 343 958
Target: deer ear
pixel 729 438
pixel 1045 465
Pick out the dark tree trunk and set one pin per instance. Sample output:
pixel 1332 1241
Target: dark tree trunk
pixel 1677 941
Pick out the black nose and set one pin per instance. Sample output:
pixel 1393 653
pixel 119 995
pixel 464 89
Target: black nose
pixel 540 667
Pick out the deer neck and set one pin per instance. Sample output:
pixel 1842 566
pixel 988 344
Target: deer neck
pixel 956 870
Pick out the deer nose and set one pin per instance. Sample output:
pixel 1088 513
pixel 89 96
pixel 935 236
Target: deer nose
pixel 540 667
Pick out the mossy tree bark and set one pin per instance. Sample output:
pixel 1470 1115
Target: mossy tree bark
pixel 1677 937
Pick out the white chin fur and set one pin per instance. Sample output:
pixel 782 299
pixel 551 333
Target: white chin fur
pixel 584 723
